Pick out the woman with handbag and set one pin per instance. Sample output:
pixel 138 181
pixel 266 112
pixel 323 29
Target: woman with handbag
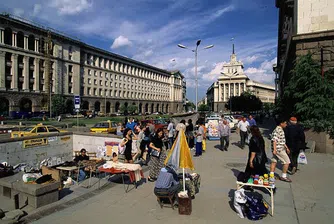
pixel 127 143
pixel 257 157
pixel 158 155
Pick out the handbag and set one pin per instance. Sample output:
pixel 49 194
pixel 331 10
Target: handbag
pixel 155 153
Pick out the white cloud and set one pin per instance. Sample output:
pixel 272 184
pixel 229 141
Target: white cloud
pixel 220 12
pixel 264 73
pixel 18 12
pixel 37 9
pixel 121 42
pixel 71 7
pixel 250 59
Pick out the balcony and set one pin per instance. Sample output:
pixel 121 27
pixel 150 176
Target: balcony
pixel 70 73
pixel 32 80
pixel 9 77
pixel 9 63
pixel 32 67
pixel 21 65
pixel 41 69
pixel 21 78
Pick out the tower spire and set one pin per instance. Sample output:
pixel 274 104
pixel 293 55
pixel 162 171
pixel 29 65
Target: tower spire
pixel 232 48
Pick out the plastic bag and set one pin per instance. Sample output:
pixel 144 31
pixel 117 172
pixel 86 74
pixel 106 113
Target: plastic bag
pixel 239 199
pixel 30 177
pixel 302 158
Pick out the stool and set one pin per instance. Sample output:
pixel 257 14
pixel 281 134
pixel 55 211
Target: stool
pixel 164 195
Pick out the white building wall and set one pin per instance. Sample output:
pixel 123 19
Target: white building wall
pixel 315 16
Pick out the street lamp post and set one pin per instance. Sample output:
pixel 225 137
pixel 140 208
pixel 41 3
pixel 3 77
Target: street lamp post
pixel 235 73
pixel 196 77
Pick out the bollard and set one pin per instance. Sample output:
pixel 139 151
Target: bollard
pixel 1 122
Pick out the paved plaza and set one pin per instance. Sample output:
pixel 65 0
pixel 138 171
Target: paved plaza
pixel 308 199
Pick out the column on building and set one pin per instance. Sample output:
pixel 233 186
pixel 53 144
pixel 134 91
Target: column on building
pixel 229 90
pixel 239 84
pixel 2 70
pixel 2 36
pixel 25 42
pixel 26 73
pixel 14 38
pixel 36 75
pixel 244 87
pixel 36 45
pixel 14 72
pixel 112 66
pixel 85 58
pixel 234 90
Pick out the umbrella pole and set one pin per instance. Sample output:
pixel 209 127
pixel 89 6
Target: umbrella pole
pixel 184 181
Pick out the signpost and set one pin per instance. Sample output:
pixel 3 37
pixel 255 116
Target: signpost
pixel 77 108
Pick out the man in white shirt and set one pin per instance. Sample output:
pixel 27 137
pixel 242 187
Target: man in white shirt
pixel 243 131
pixel 199 138
pixel 170 130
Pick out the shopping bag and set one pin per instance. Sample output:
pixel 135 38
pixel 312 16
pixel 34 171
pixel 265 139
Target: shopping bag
pixel 203 145
pixel 302 158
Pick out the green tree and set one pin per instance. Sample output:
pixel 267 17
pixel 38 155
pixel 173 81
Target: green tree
pixel 123 109
pixel 190 106
pixel 58 104
pixel 203 107
pixel 308 95
pixel 132 109
pixel 246 102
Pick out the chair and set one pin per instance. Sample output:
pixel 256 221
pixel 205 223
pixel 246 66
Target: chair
pixel 161 195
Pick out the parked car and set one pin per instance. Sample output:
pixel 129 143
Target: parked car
pixel 104 127
pixel 158 123
pixel 35 130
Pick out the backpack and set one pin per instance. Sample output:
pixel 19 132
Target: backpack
pixel 257 209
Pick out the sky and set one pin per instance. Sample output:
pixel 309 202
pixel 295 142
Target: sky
pixel 149 31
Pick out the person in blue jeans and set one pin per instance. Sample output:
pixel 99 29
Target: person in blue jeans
pixel 81 157
pixel 199 138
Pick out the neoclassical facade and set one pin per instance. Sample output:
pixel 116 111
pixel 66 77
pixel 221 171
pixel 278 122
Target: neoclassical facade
pixel 233 82
pixel 104 80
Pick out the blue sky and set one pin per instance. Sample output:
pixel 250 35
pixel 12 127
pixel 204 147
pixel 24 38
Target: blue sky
pixel 149 31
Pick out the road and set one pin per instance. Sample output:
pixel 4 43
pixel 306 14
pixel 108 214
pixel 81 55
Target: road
pixel 307 200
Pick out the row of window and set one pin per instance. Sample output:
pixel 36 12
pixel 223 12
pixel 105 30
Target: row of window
pixel 120 85
pixel 123 68
pixel 125 94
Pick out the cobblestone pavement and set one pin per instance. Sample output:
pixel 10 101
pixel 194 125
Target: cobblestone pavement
pixel 308 199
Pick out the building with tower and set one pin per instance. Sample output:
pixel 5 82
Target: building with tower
pixel 233 82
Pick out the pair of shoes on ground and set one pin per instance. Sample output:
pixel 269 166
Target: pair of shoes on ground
pixel 293 170
pixel 196 155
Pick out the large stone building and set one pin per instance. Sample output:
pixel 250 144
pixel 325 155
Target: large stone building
pixel 304 26
pixel 104 80
pixel 233 82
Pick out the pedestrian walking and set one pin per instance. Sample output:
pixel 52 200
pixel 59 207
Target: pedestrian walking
pixel 251 121
pixel 295 140
pixel 280 150
pixel 170 129
pixel 199 138
pixel 224 133
pixel 190 134
pixel 243 126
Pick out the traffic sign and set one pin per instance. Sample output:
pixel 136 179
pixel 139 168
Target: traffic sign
pixel 77 102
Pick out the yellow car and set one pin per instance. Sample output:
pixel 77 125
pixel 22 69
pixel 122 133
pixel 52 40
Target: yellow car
pixel 35 130
pixel 104 127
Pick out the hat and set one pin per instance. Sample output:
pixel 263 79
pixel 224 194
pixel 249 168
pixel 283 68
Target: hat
pixel 293 119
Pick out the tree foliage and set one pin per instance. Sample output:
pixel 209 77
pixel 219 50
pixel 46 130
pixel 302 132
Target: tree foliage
pixel 203 107
pixel 132 109
pixel 246 102
pixel 311 95
pixel 58 104
pixel 190 106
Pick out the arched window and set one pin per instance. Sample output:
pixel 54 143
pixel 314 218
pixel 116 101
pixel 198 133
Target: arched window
pixel 31 42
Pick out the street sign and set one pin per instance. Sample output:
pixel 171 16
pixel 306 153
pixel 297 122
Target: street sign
pixel 77 102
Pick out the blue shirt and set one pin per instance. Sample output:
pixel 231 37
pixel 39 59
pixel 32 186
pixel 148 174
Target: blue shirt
pixel 131 125
pixel 165 180
pixel 251 122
